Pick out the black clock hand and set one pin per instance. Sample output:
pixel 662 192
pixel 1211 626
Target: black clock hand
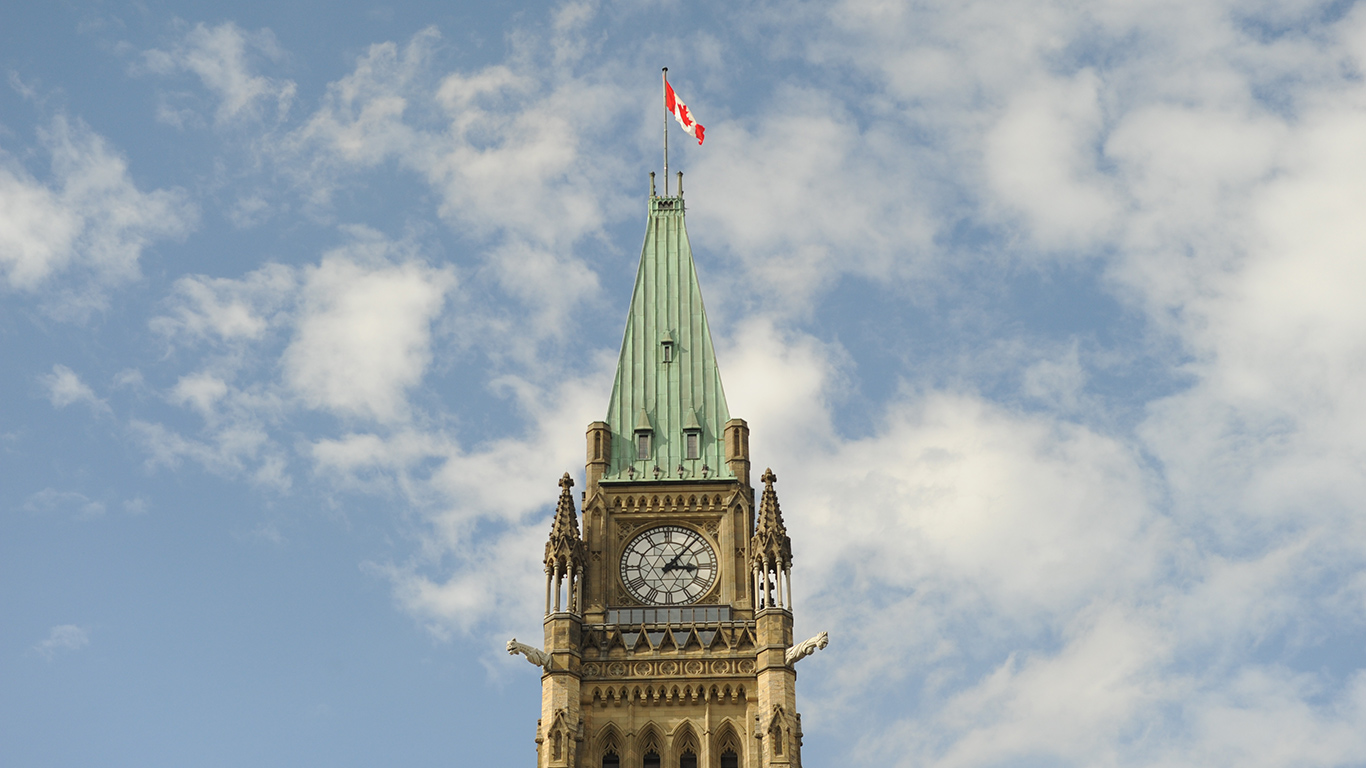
pixel 674 565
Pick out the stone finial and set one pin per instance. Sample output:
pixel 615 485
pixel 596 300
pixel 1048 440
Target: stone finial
pixel 565 545
pixel 770 545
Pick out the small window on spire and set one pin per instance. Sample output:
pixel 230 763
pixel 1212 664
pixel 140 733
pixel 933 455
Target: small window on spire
pixel 666 344
pixel 643 432
pixel 692 435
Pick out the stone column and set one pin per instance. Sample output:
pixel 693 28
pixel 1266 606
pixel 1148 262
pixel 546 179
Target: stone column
pixel 777 683
pixel 560 683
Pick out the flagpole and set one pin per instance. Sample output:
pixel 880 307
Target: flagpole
pixel 666 134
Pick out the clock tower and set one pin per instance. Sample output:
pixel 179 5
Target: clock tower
pixel 668 616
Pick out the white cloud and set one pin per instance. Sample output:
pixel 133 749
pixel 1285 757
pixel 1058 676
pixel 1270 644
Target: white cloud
pixel 38 231
pixel 480 510
pixel 550 283
pixel 1074 706
pixel 506 151
pixel 1270 716
pixel 227 309
pixel 350 335
pixel 91 219
pixel 64 388
pixel 240 446
pixel 202 391
pixel 753 195
pixel 361 121
pixel 63 637
pixel 1040 158
pixel 222 57
pixel 363 336
pixel 51 500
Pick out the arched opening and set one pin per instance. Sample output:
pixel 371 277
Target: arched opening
pixel 727 746
pixel 609 746
pixel 686 746
pixel 651 745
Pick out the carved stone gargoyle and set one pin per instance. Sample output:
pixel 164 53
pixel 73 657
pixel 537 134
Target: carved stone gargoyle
pixel 534 655
pixel 805 648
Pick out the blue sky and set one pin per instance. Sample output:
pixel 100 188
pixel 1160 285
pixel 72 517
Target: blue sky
pixel 1047 317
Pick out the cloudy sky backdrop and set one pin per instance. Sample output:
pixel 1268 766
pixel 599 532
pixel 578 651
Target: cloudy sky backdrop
pixel 1049 317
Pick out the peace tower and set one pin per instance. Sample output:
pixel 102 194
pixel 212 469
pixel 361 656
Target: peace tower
pixel 668 618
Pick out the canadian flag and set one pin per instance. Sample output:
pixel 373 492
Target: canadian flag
pixel 682 113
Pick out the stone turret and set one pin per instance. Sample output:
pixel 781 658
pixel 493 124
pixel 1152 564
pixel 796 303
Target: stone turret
pixel 770 548
pixel 777 724
pixel 565 553
pixel 561 726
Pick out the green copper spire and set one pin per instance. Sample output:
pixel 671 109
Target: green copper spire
pixel 668 390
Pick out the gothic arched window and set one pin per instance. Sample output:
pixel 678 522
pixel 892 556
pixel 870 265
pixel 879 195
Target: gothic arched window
pixel 730 760
pixel 651 759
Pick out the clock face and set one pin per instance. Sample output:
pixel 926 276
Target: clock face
pixel 668 565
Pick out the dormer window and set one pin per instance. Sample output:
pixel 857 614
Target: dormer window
pixel 643 433
pixel 666 347
pixel 692 440
pixel 692 436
